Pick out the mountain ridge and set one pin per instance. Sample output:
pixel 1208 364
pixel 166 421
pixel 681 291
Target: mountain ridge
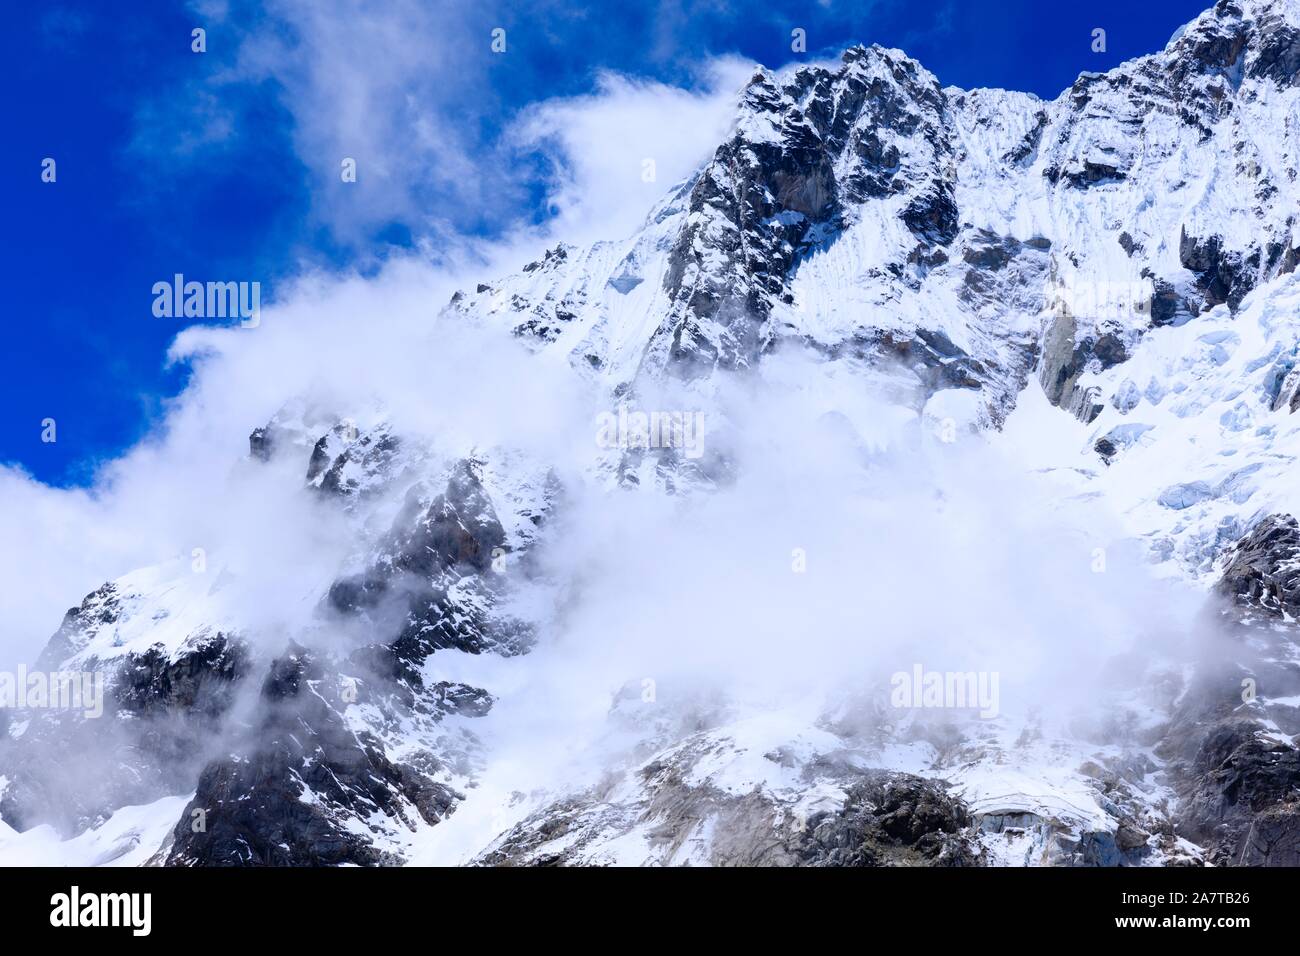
pixel 1000 268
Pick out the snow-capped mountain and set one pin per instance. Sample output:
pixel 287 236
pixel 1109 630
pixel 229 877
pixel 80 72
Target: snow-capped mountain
pixel 987 312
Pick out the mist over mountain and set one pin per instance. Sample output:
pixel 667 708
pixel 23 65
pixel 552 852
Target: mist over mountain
pixel 914 485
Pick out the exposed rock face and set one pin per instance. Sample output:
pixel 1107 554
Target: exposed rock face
pixel 345 461
pixel 962 243
pixel 1232 741
pixel 295 427
pixel 1065 359
pixel 157 718
pixel 309 772
pixel 1223 276
pixel 893 820
pixel 805 150
pixel 294 792
pixel 1284 386
pixel 1263 572
pixel 289 800
pixel 871 169
pixel 436 574
pixel 200 683
pixel 98 609
pixel 1246 801
pixel 261 444
pixel 886 819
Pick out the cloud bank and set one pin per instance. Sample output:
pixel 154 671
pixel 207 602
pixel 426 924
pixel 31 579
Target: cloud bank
pixel 371 93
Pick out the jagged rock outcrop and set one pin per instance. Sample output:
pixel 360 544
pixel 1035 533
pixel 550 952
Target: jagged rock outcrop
pixel 291 798
pixel 1233 740
pixel 1263 570
pixel 437 574
pixel 306 785
pixel 141 722
pixel 871 169
pixel 892 820
pixel 1245 802
pixel 885 819
pixel 1116 247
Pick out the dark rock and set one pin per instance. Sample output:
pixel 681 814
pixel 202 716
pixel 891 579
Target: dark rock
pixel 320 459
pixel 551 259
pixel 990 252
pixel 846 136
pixel 1093 173
pixel 1277 53
pixel 160 710
pixel 199 682
pixel 892 819
pixel 1263 570
pixel 1224 275
pixel 933 216
pixel 434 580
pixel 1246 803
pixel 260 444
pixel 1064 361
pixel 1166 304
pixel 1027 148
pixel 289 799
pixel 99 608
pixel 462 699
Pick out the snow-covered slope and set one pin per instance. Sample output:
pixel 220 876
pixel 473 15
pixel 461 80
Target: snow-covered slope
pixel 1023 376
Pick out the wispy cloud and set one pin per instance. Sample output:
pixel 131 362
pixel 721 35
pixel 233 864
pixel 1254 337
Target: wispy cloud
pixel 616 151
pixel 406 94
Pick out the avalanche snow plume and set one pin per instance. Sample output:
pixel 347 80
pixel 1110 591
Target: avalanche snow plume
pixel 913 486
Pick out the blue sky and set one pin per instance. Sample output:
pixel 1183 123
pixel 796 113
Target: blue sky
pixel 223 165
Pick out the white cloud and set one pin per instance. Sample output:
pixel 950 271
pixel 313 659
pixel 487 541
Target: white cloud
pixel 345 341
pixel 359 87
pixel 620 148
pixel 373 87
pixel 57 548
pixel 405 90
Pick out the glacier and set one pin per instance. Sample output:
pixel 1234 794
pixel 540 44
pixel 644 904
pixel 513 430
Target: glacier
pixel 990 384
